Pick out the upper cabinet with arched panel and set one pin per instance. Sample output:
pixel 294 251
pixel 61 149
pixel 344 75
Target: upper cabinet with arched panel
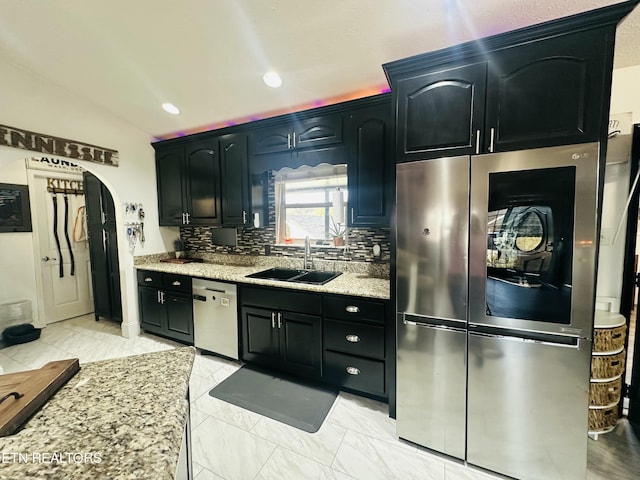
pixel 539 86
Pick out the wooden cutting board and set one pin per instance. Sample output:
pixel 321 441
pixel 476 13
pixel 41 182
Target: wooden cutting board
pixel 36 386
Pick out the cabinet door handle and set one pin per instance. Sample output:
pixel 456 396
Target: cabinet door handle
pixel 493 132
pixel 477 142
pixel 162 298
pixel 294 139
pixel 288 140
pixel 273 319
pixel 187 215
pixel 244 216
pixel 176 283
pixel 353 371
pixel 352 308
pixel 183 218
pixel 279 320
pixel 148 279
pixel 352 338
pixel 352 216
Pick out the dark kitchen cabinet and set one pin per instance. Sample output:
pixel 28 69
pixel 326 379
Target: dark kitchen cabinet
pixel 204 182
pixel 103 249
pixel 234 169
pixel 277 334
pixel 169 168
pixel 441 111
pixel 188 182
pixel 297 141
pixel 165 305
pixel 308 133
pixel 356 348
pixel 547 93
pixel 525 89
pixel 369 135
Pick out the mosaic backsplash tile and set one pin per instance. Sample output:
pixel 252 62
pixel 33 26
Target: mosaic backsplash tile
pixel 261 241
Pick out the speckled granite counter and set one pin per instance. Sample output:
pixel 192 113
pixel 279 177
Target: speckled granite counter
pixel 116 419
pixel 359 280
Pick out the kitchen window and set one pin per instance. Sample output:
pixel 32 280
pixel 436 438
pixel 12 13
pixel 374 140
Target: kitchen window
pixel 310 201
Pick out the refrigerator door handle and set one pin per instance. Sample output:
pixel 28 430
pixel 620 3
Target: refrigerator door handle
pixel 433 326
pixel 567 342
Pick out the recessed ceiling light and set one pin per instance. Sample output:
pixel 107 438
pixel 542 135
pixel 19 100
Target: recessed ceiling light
pixel 171 108
pixel 272 79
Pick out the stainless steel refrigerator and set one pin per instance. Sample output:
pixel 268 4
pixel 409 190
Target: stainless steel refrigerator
pixel 496 267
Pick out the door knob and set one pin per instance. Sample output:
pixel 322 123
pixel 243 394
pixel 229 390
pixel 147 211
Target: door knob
pixel 46 259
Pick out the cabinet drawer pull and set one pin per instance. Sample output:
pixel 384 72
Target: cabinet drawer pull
pixel 352 308
pixel 353 338
pixel 176 283
pixel 353 371
pixel 148 279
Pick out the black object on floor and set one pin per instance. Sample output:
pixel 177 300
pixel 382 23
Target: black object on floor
pixel 23 333
pixel 276 396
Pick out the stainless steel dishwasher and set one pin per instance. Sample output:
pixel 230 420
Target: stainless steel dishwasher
pixel 215 317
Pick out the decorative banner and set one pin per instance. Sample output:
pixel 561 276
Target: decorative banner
pixel 38 142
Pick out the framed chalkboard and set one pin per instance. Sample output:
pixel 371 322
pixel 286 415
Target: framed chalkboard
pixel 15 212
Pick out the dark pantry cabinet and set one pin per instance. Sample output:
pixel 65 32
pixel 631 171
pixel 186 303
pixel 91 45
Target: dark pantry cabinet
pixel 103 249
pixel 166 306
pixel 528 89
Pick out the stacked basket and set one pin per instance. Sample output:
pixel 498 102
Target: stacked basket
pixel 607 367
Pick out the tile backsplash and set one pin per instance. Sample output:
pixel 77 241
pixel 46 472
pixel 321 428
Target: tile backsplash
pixel 259 241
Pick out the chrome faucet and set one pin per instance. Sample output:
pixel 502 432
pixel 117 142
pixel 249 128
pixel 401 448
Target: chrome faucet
pixel 308 263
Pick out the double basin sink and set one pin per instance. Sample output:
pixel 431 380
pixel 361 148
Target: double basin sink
pixel 314 277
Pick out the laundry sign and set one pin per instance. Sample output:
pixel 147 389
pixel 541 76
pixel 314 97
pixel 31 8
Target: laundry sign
pixel 52 163
pixel 41 143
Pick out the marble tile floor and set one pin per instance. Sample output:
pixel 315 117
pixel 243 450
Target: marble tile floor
pixel 357 440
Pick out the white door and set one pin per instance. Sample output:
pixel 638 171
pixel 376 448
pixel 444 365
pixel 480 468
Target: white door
pixel 63 275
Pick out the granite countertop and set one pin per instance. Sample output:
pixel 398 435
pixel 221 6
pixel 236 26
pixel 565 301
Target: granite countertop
pixel 362 281
pixel 118 419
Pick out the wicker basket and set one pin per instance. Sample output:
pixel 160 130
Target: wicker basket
pixel 609 339
pixel 605 393
pixel 607 366
pixel 602 418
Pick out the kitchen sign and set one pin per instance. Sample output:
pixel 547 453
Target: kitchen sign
pixel 38 142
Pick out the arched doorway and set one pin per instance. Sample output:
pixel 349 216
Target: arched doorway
pixel 23 261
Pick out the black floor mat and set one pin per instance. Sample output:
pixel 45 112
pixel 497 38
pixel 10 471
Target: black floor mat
pixel 276 396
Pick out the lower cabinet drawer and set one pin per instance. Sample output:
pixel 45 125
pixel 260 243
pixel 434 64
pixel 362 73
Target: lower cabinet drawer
pixel 150 278
pixel 354 338
pixel 354 372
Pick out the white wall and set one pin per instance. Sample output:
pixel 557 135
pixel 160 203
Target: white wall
pixel 30 103
pixel 625 98
pixel 17 277
pixel 625 91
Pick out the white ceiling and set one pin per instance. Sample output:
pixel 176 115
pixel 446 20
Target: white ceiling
pixel 208 56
